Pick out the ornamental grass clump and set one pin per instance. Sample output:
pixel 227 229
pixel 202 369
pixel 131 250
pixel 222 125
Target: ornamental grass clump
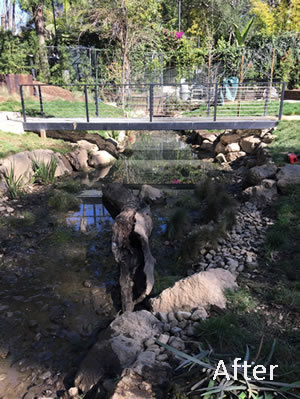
pixel 15 185
pixel 44 172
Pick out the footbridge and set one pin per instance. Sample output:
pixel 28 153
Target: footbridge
pixel 189 106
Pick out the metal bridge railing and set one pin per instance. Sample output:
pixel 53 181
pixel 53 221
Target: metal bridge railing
pixel 188 100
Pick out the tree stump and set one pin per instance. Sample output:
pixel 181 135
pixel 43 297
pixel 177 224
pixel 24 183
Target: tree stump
pixel 130 243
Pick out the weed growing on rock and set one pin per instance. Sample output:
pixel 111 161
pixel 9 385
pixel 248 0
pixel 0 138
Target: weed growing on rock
pixel 63 202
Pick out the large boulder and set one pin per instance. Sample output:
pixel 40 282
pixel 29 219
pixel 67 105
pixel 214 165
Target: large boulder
pixel 249 144
pixel 86 145
pixel 199 290
pixel 233 147
pixel 78 158
pixel 220 148
pixel 233 156
pixel 19 164
pixel 263 194
pixel 100 159
pixel 288 175
pixel 228 138
pixel 117 347
pixel 258 173
pixel 46 156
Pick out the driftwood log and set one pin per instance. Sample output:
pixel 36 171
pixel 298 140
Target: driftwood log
pixel 130 243
pixel 74 136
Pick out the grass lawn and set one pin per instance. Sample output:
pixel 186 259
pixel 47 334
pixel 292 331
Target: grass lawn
pixel 287 140
pixel 12 143
pixel 61 108
pixel 255 109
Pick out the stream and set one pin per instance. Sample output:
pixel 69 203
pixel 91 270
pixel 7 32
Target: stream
pixel 58 278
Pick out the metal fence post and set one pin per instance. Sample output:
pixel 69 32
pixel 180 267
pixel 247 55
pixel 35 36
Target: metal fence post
pixel 208 100
pixel 216 101
pixel 23 103
pixel 96 100
pixel 267 100
pixel 281 100
pixel 86 103
pixel 41 101
pixel 151 97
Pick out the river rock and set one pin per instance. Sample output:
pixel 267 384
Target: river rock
pixel 86 145
pixel 78 158
pixel 183 315
pixel 199 314
pixel 249 144
pixel 100 159
pixel 199 290
pixel 263 194
pixel 233 147
pixel 151 194
pixel 258 173
pixel 228 138
pixel 207 145
pixel 117 347
pixel 220 148
pixel 288 175
pixel 20 163
pixel 233 156
pixel 221 158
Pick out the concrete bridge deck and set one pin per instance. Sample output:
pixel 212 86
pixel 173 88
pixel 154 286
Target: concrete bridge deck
pixel 158 123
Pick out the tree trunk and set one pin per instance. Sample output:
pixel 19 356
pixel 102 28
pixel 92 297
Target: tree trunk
pixel 13 25
pixel 74 136
pixel 130 243
pixel 40 30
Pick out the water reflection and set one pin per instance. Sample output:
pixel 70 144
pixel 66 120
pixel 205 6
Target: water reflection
pixel 91 216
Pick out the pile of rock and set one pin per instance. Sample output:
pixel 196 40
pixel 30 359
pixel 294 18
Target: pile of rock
pixel 241 248
pixel 234 144
pixel 83 157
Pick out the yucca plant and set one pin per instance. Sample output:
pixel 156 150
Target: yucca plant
pixel 44 173
pixel 206 385
pixel 15 185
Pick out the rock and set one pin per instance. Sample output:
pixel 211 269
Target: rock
pixel 177 343
pixel 228 138
pixel 171 317
pixel 164 338
pixel 46 375
pixel 151 194
pixel 263 194
pixel 220 148
pixel 117 347
pixel 199 314
pixel 233 156
pixel 249 144
pixel 288 175
pixel 183 315
pixel 78 158
pixel 221 158
pixel 73 392
pixel 100 159
pixel 233 147
pixel 207 145
pixel 162 358
pixel 258 173
pixel 132 386
pixel 175 330
pixel 20 164
pixel 199 290
pixel 163 317
pixel 268 138
pixel 3 188
pixel 86 145
pixel 149 342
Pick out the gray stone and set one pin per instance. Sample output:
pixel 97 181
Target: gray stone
pixel 162 358
pixel 151 194
pixel 164 338
pixel 183 315
pixel 100 159
pixel 233 147
pixel 73 392
pixel 78 158
pixel 259 173
pixel 199 314
pixel 249 144
pixel 288 175
pixel 233 156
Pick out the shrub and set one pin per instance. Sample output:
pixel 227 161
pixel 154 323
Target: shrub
pixel 178 224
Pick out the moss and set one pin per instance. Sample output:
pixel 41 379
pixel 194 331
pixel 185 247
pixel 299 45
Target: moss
pixel 63 202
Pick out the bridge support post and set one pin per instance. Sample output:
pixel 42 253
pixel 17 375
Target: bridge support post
pixel 43 134
pixel 216 102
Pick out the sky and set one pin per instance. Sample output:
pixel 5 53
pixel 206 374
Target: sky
pixel 21 16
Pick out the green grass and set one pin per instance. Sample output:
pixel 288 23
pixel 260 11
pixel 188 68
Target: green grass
pixel 61 108
pixel 287 140
pixel 256 108
pixel 13 143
